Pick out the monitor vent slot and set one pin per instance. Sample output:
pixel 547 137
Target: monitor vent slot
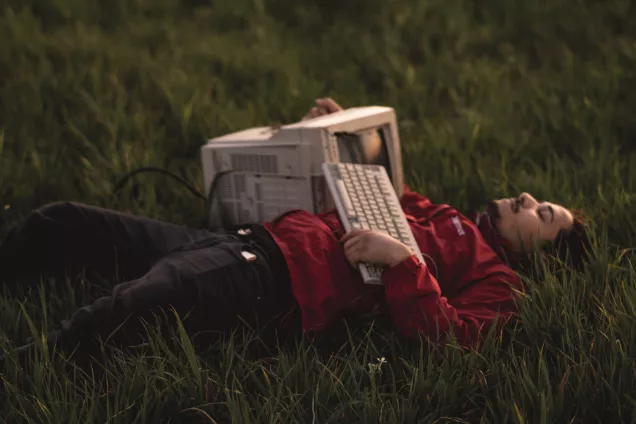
pixel 255 163
pixel 240 184
pixel 259 192
pixel 225 190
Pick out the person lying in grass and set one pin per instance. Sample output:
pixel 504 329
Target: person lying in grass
pixel 300 261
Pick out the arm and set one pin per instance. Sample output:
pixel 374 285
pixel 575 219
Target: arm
pixel 419 206
pixel 413 201
pixel 417 305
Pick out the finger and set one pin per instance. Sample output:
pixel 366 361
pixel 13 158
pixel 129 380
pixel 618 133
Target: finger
pixel 356 257
pixel 329 104
pixel 356 249
pixel 353 257
pixel 351 250
pixel 310 114
pixel 352 243
pixel 322 111
pixel 352 233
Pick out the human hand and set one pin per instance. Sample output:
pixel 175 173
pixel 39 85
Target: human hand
pixel 324 106
pixel 374 247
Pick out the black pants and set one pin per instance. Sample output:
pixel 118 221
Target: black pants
pixel 193 271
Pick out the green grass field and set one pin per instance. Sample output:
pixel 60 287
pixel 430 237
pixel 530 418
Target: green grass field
pixel 493 98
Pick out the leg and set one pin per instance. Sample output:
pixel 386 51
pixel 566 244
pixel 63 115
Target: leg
pixel 210 278
pixel 102 240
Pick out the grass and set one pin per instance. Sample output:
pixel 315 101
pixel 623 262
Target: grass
pixel 493 98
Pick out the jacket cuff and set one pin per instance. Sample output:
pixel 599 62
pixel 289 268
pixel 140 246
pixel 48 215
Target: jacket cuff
pixel 407 268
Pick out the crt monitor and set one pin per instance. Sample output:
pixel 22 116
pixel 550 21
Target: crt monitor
pixel 276 169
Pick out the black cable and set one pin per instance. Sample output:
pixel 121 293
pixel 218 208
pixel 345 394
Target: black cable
pixel 211 196
pixel 209 200
pixel 120 184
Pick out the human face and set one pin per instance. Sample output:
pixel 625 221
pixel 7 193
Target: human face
pixel 525 222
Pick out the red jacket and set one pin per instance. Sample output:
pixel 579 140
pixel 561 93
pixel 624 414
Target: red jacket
pixel 463 285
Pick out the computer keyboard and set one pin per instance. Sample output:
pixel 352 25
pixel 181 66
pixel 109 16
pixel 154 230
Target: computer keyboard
pixel 365 199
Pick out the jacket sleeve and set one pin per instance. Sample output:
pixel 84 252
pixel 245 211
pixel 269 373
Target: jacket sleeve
pixel 414 203
pixel 417 306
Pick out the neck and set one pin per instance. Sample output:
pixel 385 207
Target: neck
pixel 504 249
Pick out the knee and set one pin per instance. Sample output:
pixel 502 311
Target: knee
pixel 57 209
pixel 165 285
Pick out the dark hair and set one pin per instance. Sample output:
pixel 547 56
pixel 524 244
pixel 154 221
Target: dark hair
pixel 573 246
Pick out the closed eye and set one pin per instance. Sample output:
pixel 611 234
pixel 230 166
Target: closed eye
pixel 542 217
pixel 551 213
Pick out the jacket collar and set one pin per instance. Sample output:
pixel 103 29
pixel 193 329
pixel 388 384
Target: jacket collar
pixel 495 240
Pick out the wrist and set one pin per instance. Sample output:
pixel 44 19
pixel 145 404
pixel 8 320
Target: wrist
pixel 401 256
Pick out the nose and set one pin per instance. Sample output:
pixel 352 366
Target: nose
pixel 527 201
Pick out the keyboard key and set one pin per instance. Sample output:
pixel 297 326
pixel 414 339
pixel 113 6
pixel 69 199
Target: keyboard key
pixel 375 272
pixel 345 199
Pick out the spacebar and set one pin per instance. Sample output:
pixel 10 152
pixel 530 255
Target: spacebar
pixel 345 199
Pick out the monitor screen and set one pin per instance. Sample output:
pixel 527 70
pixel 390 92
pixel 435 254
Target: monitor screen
pixel 366 147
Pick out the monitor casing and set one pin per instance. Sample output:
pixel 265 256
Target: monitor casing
pixel 274 170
